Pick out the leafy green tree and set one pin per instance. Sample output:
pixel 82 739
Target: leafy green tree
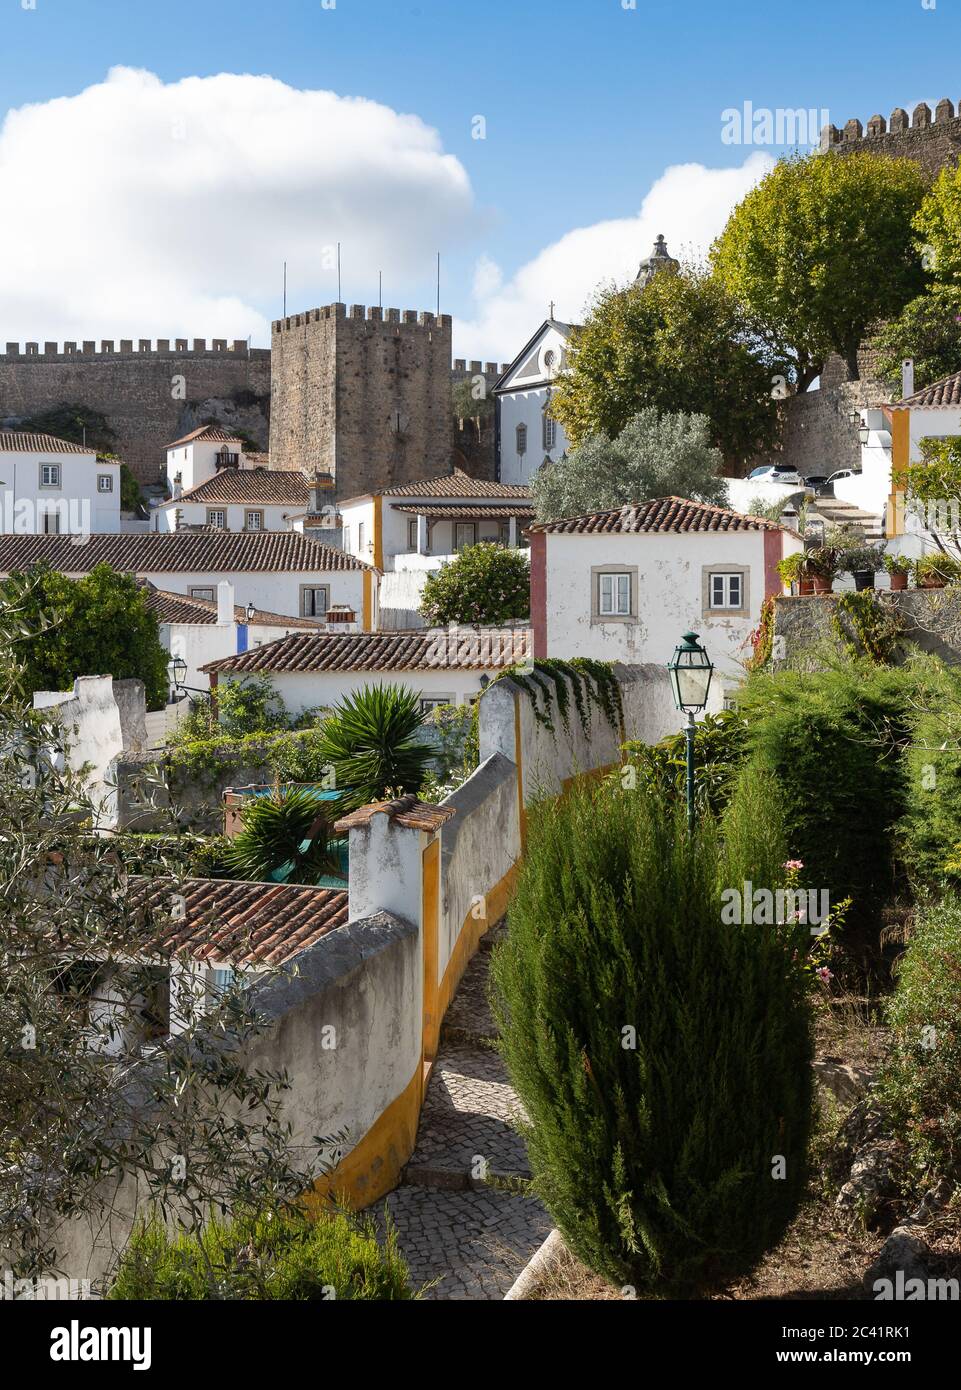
pixel 653 456
pixel 820 250
pixel 637 1020
pixel 371 741
pixel 95 1094
pixel 131 498
pixel 484 583
pixel 679 344
pixel 937 225
pixel 928 330
pixel 286 838
pixel 94 626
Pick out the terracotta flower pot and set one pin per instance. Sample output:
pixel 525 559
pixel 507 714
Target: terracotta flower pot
pixel 805 586
pixel 931 581
pixel 821 585
pixel 899 580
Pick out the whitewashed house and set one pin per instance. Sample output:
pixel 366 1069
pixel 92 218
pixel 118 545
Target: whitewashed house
pixel 411 530
pixel 278 572
pixel 51 486
pixel 198 630
pixel 238 499
pixel 525 434
pixel 446 666
pixel 624 585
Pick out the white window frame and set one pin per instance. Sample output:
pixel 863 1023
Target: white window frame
pixel 726 609
pixel 54 480
pixel 203 591
pixel 457 546
pixel 257 513
pixel 105 482
pixel 617 602
pixel 361 535
pixel 549 431
pixel 217 511
pixel 430 702
pixel 520 440
pixel 726 590
pixel 412 524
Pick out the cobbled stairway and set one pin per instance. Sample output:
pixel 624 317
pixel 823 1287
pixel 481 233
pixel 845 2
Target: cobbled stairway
pixel 451 1225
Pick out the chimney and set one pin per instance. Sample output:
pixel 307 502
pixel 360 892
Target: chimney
pixel 225 603
pixel 907 377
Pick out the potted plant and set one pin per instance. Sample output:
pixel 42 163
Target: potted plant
pixel 791 570
pixel 857 555
pixel 936 570
pixel 898 569
pixel 820 566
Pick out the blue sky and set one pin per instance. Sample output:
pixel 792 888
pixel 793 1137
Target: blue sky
pixel 586 104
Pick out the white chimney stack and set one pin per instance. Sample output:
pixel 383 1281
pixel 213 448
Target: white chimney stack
pixel 907 377
pixel 225 603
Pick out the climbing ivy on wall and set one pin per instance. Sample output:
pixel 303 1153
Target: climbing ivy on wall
pixel 867 625
pixel 588 682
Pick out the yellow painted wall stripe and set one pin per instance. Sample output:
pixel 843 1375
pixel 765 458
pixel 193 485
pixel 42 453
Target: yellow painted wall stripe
pixel 900 459
pixel 368 613
pixel 378 531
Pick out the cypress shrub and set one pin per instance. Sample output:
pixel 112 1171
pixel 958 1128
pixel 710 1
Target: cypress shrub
pixel 930 831
pixel 663 1057
pixel 834 740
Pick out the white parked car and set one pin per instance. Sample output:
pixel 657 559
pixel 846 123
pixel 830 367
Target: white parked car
pixel 776 473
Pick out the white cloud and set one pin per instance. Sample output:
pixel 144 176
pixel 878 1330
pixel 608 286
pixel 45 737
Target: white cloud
pixel 689 204
pixel 139 208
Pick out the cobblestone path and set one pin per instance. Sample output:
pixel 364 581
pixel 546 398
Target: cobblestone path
pixel 452 1227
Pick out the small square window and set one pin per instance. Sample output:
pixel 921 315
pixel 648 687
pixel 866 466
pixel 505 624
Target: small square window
pixel 727 591
pixel 217 518
pixel 255 521
pixel 314 602
pixel 614 595
pixel 104 482
pixel 49 475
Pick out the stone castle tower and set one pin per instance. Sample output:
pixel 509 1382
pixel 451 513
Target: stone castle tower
pixel 363 395
pixel 934 141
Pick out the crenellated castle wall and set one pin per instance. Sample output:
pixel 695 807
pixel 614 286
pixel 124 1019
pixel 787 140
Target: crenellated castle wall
pixel 150 393
pixel 363 394
pixel 934 140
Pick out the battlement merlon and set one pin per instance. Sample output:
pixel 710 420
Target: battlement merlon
pixel 933 140
pixel 129 347
pixel 367 314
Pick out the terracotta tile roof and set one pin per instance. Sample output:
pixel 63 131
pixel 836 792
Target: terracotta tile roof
pixel 180 608
pixel 249 486
pixel 161 552
pixel 25 442
pixel 406 811
pixel 947 391
pixel 456 484
pixel 212 434
pixel 439 511
pixel 235 922
pixel 433 649
pixel 660 516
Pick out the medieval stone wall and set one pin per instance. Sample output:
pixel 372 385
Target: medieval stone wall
pixel 363 395
pixel 150 394
pixel 933 140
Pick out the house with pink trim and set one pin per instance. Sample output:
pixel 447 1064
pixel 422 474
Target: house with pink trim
pixel 623 585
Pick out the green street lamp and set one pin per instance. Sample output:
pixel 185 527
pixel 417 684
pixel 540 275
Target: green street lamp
pixel 691 672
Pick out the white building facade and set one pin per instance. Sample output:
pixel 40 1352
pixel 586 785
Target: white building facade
pixel 525 434
pixel 277 572
pixel 625 585
pixel 51 486
pixel 444 666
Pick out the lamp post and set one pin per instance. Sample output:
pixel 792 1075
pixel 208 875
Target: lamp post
pixel 251 610
pixel 691 672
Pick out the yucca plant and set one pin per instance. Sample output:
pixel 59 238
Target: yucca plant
pixel 285 828
pixel 370 740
